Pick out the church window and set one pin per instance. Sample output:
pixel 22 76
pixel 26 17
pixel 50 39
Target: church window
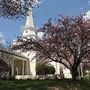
pixel 26 31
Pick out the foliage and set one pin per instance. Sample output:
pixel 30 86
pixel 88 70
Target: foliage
pixel 87 76
pixel 16 8
pixel 43 69
pixel 65 41
pixel 44 85
pixel 4 69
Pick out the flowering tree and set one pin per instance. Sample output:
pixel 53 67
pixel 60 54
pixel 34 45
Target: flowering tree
pixel 65 41
pixel 16 8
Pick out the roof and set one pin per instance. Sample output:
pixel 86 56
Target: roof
pixel 13 53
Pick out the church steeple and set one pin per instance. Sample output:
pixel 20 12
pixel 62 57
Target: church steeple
pixel 29 28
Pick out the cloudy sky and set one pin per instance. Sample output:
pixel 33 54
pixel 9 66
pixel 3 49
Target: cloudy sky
pixel 2 40
pixel 9 29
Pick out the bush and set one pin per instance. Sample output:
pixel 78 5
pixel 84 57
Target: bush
pixel 87 76
pixel 44 69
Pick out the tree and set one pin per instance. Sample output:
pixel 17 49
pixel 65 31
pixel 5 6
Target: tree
pixel 65 41
pixel 16 8
pixel 5 67
pixel 43 69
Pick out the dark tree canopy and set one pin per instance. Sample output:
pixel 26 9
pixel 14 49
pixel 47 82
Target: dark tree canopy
pixel 43 69
pixel 65 41
pixel 16 8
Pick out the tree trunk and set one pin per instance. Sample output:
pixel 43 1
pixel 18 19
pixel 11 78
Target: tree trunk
pixel 74 73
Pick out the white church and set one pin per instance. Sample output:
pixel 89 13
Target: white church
pixel 24 69
pixel 23 65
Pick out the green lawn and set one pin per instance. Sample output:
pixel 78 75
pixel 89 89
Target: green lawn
pixel 44 85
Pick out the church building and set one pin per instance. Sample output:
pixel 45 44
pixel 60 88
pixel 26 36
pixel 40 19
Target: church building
pixel 30 32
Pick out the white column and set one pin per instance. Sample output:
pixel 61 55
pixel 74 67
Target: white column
pixel 12 67
pixel 57 67
pixel 22 67
pixel 27 67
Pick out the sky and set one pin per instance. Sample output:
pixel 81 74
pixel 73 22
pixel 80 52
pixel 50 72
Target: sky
pixel 9 29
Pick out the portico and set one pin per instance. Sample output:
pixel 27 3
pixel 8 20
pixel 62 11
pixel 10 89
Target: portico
pixel 20 66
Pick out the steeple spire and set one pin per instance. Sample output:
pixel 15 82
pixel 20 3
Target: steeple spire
pixel 29 28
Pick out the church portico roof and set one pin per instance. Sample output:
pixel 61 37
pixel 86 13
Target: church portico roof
pixel 14 54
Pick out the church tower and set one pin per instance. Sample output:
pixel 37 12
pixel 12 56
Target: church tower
pixel 29 32
pixel 29 28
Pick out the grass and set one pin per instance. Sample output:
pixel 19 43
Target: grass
pixel 44 84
